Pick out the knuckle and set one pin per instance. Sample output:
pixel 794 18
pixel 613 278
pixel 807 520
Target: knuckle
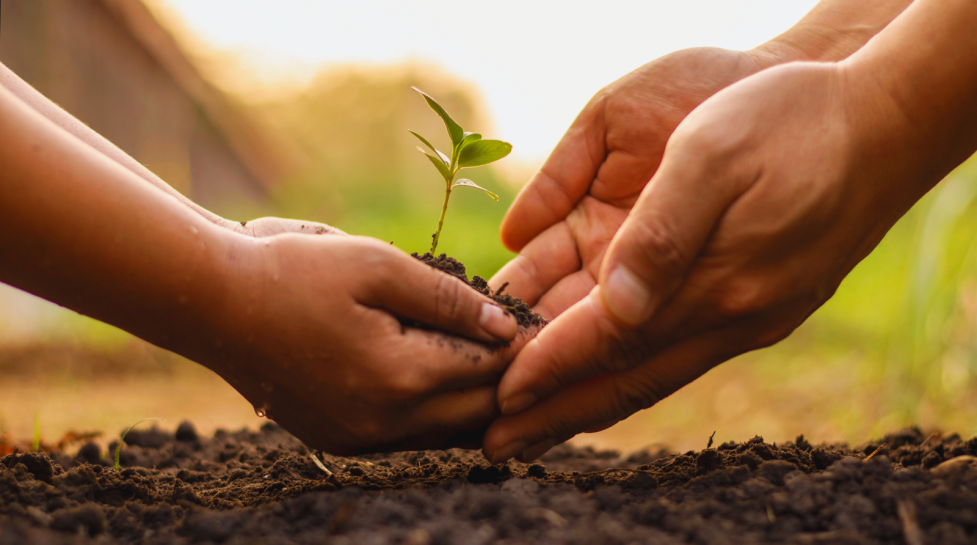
pixel 706 142
pixel 630 395
pixel 381 260
pixel 449 304
pixel 658 246
pixel 397 388
pixel 743 297
pixel 558 426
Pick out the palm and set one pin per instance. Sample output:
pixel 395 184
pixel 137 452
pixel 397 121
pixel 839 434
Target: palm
pixel 564 219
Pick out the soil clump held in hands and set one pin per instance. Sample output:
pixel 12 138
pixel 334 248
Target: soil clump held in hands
pixel 263 487
pixel 513 305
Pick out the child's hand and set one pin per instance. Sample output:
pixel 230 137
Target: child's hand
pixel 271 226
pixel 308 332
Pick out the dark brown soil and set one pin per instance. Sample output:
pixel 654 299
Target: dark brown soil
pixel 513 305
pixel 262 487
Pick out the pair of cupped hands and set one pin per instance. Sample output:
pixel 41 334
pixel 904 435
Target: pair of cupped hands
pixel 701 207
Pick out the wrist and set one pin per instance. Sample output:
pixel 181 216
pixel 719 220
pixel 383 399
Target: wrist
pixel 831 32
pixel 803 43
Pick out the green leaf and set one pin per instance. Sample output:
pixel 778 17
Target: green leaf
pixel 454 130
pixel 440 162
pixel 469 139
pixel 468 183
pixel 426 143
pixel 483 152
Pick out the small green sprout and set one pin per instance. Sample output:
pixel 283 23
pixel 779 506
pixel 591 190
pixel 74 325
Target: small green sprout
pixel 122 439
pixel 467 150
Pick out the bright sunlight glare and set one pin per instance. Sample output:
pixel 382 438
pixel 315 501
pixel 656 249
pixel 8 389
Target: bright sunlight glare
pixel 535 63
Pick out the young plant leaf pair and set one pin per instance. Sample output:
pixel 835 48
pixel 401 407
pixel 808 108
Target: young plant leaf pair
pixel 468 150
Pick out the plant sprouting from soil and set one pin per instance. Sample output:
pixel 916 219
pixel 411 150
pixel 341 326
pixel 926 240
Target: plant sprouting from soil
pixel 468 150
pixel 122 439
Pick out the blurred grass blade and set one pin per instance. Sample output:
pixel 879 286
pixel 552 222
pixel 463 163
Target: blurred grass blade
pixel 122 439
pixel 454 130
pixel 483 152
pixel 439 163
pixel 36 442
pixel 468 183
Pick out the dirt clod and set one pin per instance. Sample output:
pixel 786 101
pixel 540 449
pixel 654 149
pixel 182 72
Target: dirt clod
pixel 262 487
pixel 513 305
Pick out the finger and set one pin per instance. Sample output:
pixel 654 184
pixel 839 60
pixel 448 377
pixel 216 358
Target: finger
pixel 443 363
pixel 456 412
pixel 656 245
pixel 566 293
pixel 446 421
pixel 562 180
pixel 617 395
pixel 576 346
pixel 410 289
pixel 541 264
pixel 610 397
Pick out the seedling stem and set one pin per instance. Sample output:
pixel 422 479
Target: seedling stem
pixel 468 150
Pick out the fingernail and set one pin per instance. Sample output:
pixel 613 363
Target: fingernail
pixel 518 403
pixel 532 453
pixel 508 451
pixel 497 322
pixel 626 296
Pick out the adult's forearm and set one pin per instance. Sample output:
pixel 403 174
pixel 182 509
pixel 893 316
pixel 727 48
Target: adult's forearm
pixel 44 106
pixel 78 229
pixel 917 81
pixel 831 31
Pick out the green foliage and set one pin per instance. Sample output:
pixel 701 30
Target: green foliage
pixel 122 440
pixel 468 150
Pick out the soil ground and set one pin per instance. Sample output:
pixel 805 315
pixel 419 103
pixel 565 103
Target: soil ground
pixel 263 487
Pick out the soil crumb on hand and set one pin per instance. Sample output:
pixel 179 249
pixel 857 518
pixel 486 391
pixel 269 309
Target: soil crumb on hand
pixel 513 305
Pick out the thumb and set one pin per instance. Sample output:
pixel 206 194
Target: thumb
pixel 561 182
pixel 650 254
pixel 418 292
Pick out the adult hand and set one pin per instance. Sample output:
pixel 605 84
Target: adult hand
pixel 308 332
pixel 563 220
pixel 767 196
pixel 566 216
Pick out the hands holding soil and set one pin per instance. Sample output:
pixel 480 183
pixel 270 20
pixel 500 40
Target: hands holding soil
pixel 765 198
pixel 308 328
pixel 701 207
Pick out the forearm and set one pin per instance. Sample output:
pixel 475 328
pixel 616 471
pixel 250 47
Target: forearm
pixel 79 130
pixel 922 73
pixel 910 96
pixel 79 230
pixel 831 31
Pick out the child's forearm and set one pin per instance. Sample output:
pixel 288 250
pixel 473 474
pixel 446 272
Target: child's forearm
pixel 79 230
pixel 79 130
